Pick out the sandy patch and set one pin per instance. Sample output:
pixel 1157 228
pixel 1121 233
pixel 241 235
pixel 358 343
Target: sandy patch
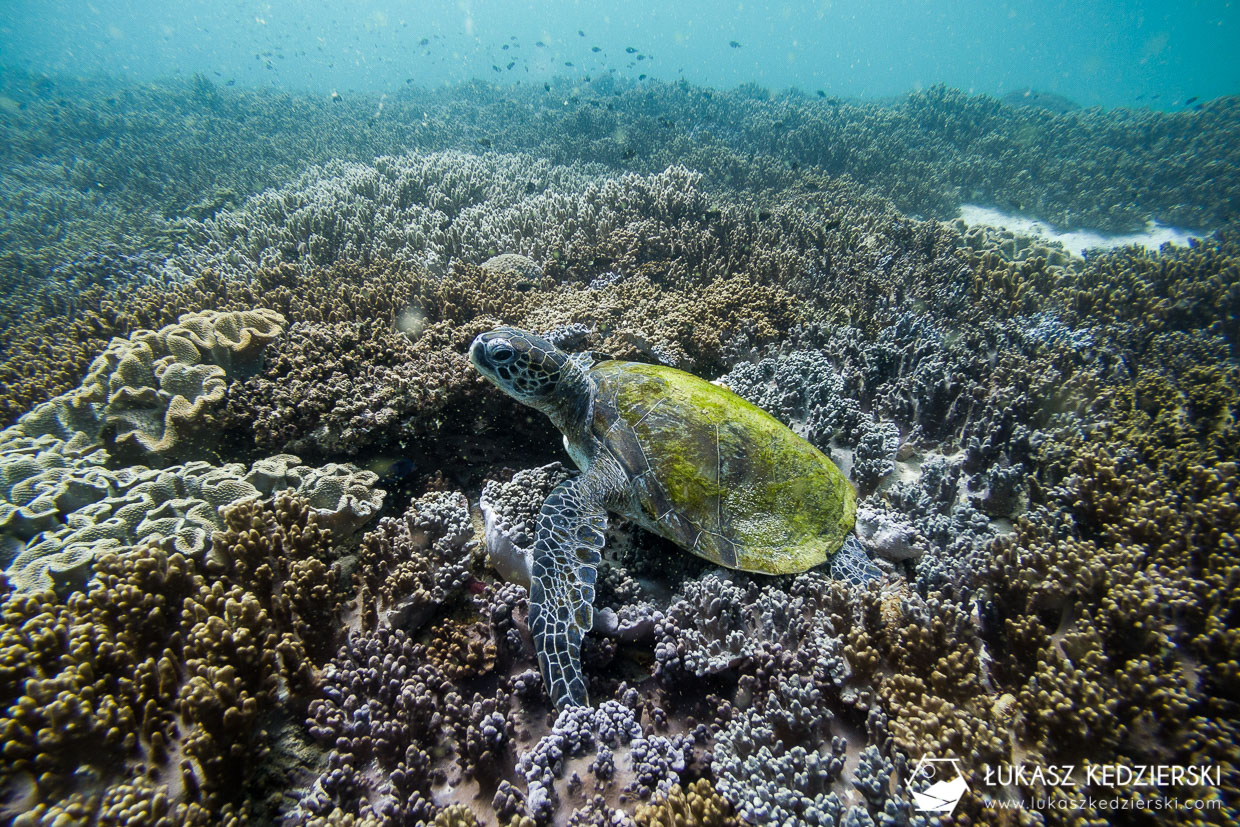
pixel 1076 241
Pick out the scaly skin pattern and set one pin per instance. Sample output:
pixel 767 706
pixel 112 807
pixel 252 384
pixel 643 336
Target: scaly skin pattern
pixel 568 544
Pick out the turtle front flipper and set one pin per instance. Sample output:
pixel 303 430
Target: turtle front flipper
pixel 568 544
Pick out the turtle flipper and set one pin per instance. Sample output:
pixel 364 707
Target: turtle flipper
pixel 852 565
pixel 568 544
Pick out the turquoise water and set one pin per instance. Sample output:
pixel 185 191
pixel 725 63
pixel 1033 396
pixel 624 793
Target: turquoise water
pixel 1098 54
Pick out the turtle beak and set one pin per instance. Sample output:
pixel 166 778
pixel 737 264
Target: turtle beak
pixel 476 351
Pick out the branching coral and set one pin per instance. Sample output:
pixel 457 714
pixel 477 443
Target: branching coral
pixel 1046 445
pixel 155 680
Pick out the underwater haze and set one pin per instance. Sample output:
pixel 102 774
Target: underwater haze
pixel 698 415
pixel 1098 54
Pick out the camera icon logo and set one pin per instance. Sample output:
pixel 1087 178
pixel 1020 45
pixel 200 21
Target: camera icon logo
pixel 947 785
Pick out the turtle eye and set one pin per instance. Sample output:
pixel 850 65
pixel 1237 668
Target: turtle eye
pixel 502 354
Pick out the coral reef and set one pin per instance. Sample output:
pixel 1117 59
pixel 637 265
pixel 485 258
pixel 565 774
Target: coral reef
pixel 1045 447
pixel 158 681
pixel 70 494
pixel 96 160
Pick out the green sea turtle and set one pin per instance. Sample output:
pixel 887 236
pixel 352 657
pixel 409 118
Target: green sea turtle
pixel 686 459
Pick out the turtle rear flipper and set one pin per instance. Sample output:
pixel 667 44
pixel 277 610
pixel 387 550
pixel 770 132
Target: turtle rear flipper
pixel 852 565
pixel 568 544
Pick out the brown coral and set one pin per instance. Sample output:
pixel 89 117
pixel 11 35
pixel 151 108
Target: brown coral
pixel 695 805
pixel 153 679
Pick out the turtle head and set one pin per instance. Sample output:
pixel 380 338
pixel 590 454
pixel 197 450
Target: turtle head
pixel 526 367
pixel 534 372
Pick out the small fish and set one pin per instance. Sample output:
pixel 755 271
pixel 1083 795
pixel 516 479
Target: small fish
pixel 595 49
pixel 424 41
pixel 505 47
pixel 630 50
pixel 496 68
pixel 391 470
pixel 335 96
pixel 580 32
pixel 641 57
pixel 641 77
pixel 511 64
pixel 821 94
pixel 568 63
pixel 232 82
pixel 1192 100
pixel 540 44
pixel 546 87
pixel 734 44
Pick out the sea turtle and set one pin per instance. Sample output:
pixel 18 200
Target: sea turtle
pixel 681 457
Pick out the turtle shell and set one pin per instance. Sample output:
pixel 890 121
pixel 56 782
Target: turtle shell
pixel 717 475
